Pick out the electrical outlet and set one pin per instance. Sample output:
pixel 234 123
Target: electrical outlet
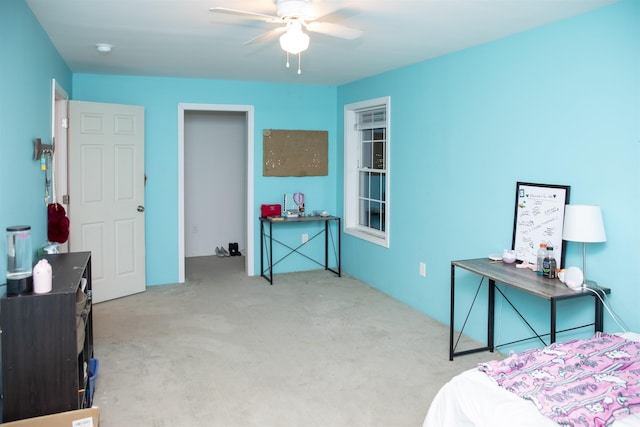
pixel 194 229
pixel 305 238
pixel 423 269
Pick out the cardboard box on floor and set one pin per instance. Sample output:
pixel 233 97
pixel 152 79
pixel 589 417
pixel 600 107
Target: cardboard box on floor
pixel 79 418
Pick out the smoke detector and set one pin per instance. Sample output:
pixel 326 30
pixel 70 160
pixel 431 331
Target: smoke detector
pixel 104 47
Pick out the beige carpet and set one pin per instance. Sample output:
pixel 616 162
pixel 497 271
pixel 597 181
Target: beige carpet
pixel 225 349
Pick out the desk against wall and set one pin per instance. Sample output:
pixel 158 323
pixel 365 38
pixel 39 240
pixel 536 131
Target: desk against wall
pixel 524 280
pixel 267 239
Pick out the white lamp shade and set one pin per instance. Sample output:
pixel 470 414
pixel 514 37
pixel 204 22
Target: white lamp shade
pixel 583 223
pixel 294 40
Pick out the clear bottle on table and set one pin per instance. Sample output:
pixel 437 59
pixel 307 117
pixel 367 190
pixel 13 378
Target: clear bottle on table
pixel 542 252
pixel 549 265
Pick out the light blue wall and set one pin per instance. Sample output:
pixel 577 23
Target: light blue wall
pixel 28 62
pixel 559 105
pixel 276 107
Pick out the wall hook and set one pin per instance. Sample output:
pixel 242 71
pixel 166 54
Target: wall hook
pixel 39 149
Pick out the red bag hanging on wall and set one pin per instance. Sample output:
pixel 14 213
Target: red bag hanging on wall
pixel 58 223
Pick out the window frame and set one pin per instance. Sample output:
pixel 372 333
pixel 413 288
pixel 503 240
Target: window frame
pixel 352 146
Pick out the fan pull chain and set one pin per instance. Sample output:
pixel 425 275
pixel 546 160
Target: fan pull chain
pixel 299 62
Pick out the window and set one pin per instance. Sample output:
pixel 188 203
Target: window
pixel 366 170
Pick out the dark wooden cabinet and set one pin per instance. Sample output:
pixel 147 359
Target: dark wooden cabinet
pixel 47 343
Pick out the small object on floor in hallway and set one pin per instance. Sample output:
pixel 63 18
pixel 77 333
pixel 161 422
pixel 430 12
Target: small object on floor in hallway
pixel 233 249
pixel 219 252
pixel 224 251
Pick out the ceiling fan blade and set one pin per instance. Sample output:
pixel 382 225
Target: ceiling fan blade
pixel 335 30
pixel 251 15
pixel 337 15
pixel 266 36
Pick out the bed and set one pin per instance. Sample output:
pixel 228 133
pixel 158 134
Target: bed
pixel 580 383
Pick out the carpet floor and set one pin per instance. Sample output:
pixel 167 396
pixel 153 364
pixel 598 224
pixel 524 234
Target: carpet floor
pixel 225 349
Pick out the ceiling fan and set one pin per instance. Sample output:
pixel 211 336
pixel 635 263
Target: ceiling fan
pixel 294 17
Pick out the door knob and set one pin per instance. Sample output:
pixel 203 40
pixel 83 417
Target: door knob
pixel 140 208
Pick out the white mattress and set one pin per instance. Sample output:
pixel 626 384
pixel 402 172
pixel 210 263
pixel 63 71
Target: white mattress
pixel 473 399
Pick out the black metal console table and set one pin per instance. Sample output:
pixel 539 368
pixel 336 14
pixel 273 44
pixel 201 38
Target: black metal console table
pixel 268 246
pixel 527 281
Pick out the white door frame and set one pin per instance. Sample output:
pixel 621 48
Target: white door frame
pixel 59 125
pixel 248 109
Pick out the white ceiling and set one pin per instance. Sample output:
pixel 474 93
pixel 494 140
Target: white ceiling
pixel 181 38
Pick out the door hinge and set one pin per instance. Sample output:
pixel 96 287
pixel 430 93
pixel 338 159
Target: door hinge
pixel 65 123
pixel 65 199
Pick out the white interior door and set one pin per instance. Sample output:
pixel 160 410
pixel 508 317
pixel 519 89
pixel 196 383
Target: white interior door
pixel 106 194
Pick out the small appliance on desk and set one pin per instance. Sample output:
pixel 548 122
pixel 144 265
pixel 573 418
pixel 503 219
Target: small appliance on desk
pixel 19 260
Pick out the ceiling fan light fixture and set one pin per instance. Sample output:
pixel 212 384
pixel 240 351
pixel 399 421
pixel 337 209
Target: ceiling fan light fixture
pixel 294 40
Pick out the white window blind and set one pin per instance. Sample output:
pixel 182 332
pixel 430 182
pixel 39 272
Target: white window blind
pixel 372 119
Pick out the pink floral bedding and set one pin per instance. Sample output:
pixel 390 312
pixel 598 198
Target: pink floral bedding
pixel 577 383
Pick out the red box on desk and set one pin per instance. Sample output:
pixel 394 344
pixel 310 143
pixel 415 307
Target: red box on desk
pixel 270 210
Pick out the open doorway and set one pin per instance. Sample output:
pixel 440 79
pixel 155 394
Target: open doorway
pixel 212 210
pixel 215 182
